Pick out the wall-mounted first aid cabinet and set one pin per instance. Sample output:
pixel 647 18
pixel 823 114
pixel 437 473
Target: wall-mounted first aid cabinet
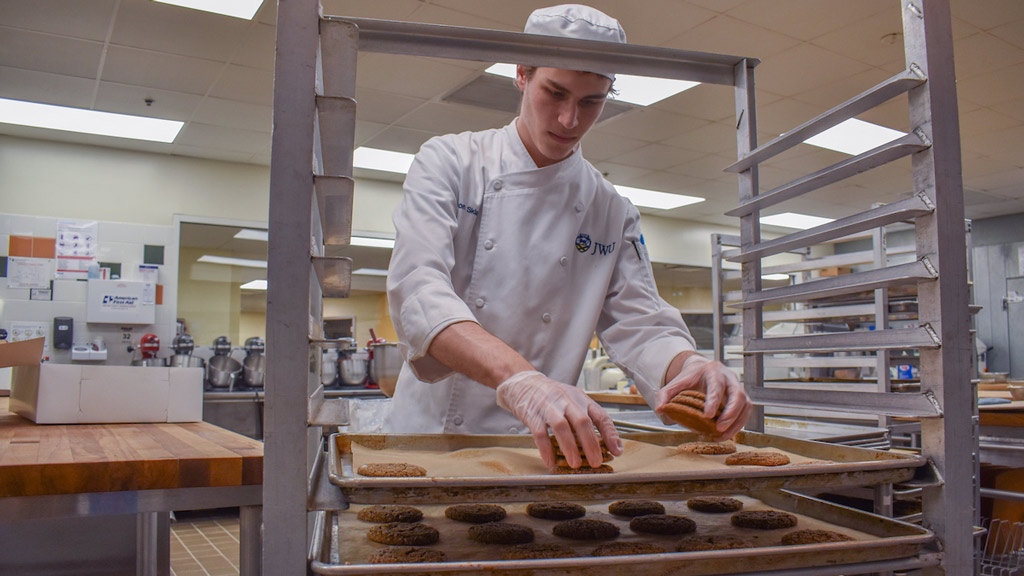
pixel 121 302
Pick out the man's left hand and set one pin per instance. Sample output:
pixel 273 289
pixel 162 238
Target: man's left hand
pixel 721 387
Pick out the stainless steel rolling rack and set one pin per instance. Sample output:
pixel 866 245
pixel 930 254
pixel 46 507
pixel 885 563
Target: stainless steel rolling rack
pixel 310 210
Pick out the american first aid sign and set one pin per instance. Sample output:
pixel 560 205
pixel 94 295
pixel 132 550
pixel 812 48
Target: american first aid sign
pixel 121 302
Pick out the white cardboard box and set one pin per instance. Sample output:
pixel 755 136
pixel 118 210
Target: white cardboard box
pixel 72 394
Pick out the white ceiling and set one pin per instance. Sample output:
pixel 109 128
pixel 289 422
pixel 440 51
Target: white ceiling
pixel 216 74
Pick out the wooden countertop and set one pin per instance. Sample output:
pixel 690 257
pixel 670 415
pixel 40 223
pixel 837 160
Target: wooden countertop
pixel 48 459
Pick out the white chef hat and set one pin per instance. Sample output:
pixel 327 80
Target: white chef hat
pixel 577 21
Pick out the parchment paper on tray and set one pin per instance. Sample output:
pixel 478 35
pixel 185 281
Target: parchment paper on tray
pixel 638 457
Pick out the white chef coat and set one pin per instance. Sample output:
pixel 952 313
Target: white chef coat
pixel 539 257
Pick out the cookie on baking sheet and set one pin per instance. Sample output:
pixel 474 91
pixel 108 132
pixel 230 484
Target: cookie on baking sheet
pixel 390 513
pixel 763 519
pixel 501 533
pixel 536 551
pixel 406 554
pixel 556 510
pixel 687 408
pixel 753 458
pixel 561 461
pixel 634 508
pixel 813 537
pixel 714 504
pixel 701 543
pixel 584 469
pixel 391 470
pixel 627 548
pixel 586 529
pixel 665 524
pixel 475 513
pixel 403 534
pixel 708 448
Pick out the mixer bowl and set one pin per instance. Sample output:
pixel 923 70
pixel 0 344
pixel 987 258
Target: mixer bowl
pixel 254 369
pixel 384 367
pixel 352 371
pixel 185 361
pixel 223 371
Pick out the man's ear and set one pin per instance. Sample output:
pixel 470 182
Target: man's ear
pixel 521 77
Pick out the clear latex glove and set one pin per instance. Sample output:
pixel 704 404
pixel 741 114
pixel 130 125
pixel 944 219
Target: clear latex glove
pixel 541 402
pixel 721 387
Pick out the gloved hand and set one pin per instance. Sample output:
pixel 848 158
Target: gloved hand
pixel 719 384
pixel 541 402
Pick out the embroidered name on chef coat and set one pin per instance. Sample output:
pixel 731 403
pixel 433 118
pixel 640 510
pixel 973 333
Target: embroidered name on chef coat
pixel 469 209
pixel 584 244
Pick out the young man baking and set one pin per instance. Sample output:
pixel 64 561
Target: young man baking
pixel 511 252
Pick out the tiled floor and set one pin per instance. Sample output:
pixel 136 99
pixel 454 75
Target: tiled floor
pixel 205 545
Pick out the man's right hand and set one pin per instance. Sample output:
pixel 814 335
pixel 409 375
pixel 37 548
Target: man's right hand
pixel 541 402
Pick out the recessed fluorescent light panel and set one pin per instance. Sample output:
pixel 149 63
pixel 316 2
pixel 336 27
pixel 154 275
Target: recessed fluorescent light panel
pixel 654 199
pixel 372 242
pixel 244 9
pixel 243 262
pixel 769 277
pixel 639 90
pixel 255 285
pixel 854 137
pixel 250 234
pixel 88 121
pixel 383 160
pixel 369 272
pixel 794 220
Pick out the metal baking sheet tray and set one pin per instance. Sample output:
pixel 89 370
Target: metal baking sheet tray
pixel 837 466
pixel 876 539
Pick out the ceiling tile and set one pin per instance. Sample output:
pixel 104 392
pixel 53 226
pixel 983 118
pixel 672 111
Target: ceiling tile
pixel 651 125
pixel 162 71
pixel 619 173
pixel 670 182
pixel 1013 108
pixel 642 29
pixel 390 10
pixel 246 84
pixel 199 135
pixel 383 107
pixel 984 120
pixel 870 40
pixel 599 145
pixel 234 114
pixel 992 88
pixel 32 86
pixel 988 14
pixel 707 167
pixel 413 77
pixel 707 101
pixel 803 68
pixel 717 5
pixel 443 118
pixel 717 137
pixel 223 155
pixel 48 53
pixel 1000 180
pixel 257 47
pixel 400 139
pixel 807 19
pixel 365 131
pixel 196 33
pixel 1012 32
pixel 835 93
pixel 657 157
pixel 983 53
pixel 726 35
pixel 783 116
pixel 86 19
pixel 893 114
pixel 127 99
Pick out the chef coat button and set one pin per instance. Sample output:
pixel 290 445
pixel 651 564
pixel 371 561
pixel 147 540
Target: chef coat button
pixel 479 302
pixel 546 317
pixel 513 430
pixel 498 185
pixel 579 207
pixel 563 261
pixel 488 245
pixel 457 420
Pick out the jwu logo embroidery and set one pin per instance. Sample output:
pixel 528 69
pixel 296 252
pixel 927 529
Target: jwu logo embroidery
pixel 584 244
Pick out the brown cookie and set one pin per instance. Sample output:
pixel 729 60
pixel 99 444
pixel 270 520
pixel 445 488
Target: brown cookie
pixel 666 524
pixel 392 470
pixel 626 548
pixel 691 417
pixel 501 533
pixel 763 519
pixel 561 461
pixel 404 554
pixel 633 508
pixel 388 513
pixel 757 459
pixel 709 448
pixel 700 543
pixel 475 513
pixel 813 537
pixel 586 529
pixel 602 469
pixel 555 510
pixel 536 551
pixel 714 504
pixel 403 534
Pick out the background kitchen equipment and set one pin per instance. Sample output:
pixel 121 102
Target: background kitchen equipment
pixel 353 364
pixel 329 367
pixel 182 346
pixel 385 362
pixel 147 348
pixel 222 371
pixel 254 366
